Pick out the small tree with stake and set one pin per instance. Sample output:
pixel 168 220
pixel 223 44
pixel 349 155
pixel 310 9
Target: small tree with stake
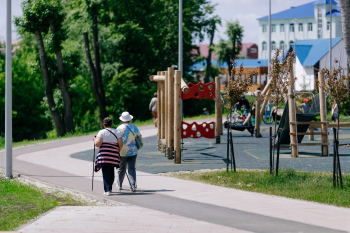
pixel 235 89
pixel 336 86
pixel 280 80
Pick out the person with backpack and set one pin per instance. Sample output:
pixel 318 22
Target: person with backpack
pixel 109 141
pixel 128 152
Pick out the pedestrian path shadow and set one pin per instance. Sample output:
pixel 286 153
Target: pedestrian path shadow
pixel 140 192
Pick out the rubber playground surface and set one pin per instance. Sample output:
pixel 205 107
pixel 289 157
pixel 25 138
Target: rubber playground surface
pixel 250 153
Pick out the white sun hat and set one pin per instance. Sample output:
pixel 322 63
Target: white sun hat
pixel 126 117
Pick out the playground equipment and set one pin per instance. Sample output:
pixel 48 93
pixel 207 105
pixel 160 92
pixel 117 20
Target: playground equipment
pixel 294 125
pixel 171 89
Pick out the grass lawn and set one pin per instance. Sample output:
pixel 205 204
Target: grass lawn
pixel 309 186
pixel 20 203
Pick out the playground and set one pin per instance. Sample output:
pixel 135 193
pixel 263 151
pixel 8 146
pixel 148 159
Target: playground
pixel 250 153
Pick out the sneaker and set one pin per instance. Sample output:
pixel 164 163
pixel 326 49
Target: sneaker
pixel 107 193
pixel 133 190
pixel 119 188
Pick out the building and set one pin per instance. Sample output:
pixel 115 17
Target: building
pixel 312 56
pixel 248 51
pixel 305 22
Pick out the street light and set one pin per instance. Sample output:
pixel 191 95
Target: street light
pixel 8 96
pixel 295 28
pixel 330 36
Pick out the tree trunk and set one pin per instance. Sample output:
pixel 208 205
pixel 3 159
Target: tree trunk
pixel 208 73
pixel 101 106
pixel 97 57
pixel 345 19
pixel 68 113
pixel 59 126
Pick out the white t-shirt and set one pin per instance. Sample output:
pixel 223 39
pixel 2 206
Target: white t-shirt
pixel 107 136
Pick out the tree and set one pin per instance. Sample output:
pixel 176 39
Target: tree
pixel 36 20
pixel 58 36
pixel 211 28
pixel 29 115
pixel 96 73
pixel 228 50
pixel 345 18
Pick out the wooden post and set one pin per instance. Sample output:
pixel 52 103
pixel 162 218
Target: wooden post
pixel 257 114
pixel 218 113
pixel 177 117
pixel 262 109
pixel 158 113
pixel 166 106
pixel 292 116
pixel 323 114
pixel 311 136
pixel 162 113
pixel 170 144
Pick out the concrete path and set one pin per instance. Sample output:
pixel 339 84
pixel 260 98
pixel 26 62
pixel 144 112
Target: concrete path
pixel 163 204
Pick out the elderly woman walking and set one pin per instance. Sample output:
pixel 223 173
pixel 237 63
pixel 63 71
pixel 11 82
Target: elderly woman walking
pixel 128 152
pixel 109 141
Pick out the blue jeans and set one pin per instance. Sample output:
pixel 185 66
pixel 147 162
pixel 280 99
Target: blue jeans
pixel 127 162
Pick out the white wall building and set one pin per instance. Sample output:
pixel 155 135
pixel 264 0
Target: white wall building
pixel 312 56
pixel 308 21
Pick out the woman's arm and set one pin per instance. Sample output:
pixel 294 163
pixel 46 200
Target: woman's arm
pixel 120 143
pixel 97 141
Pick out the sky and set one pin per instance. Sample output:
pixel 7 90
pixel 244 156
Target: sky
pixel 246 11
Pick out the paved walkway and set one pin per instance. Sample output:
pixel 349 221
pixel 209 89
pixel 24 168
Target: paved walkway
pixel 163 204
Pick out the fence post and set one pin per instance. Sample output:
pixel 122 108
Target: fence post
pixel 218 111
pixel 177 117
pixel 162 93
pixel 170 144
pixel 292 116
pixel 323 114
pixel 158 112
pixel 257 115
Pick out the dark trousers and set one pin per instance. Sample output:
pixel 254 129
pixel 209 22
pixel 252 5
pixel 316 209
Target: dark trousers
pixel 127 162
pixel 108 177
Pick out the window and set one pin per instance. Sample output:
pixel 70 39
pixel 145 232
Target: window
pixel 291 43
pixel 291 27
pixel 273 45
pixel 273 28
pixel 309 27
pixel 263 28
pixel 300 27
pixel 264 46
pixel 328 26
pixel 282 28
pixel 281 45
pixel 253 50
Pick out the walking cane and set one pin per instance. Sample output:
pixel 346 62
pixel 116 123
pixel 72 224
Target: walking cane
pixel 93 170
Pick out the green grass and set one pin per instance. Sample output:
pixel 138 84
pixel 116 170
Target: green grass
pixel 309 186
pixel 20 203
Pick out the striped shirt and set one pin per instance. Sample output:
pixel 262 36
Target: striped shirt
pixel 108 154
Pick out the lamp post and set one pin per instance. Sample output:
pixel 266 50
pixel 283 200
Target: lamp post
pixel 330 36
pixel 8 96
pixel 294 27
pixel 180 49
pixel 269 46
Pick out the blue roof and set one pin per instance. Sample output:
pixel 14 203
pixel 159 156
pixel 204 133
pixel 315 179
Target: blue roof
pixel 303 11
pixel 247 63
pixel 320 2
pixel 309 52
pixel 334 13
